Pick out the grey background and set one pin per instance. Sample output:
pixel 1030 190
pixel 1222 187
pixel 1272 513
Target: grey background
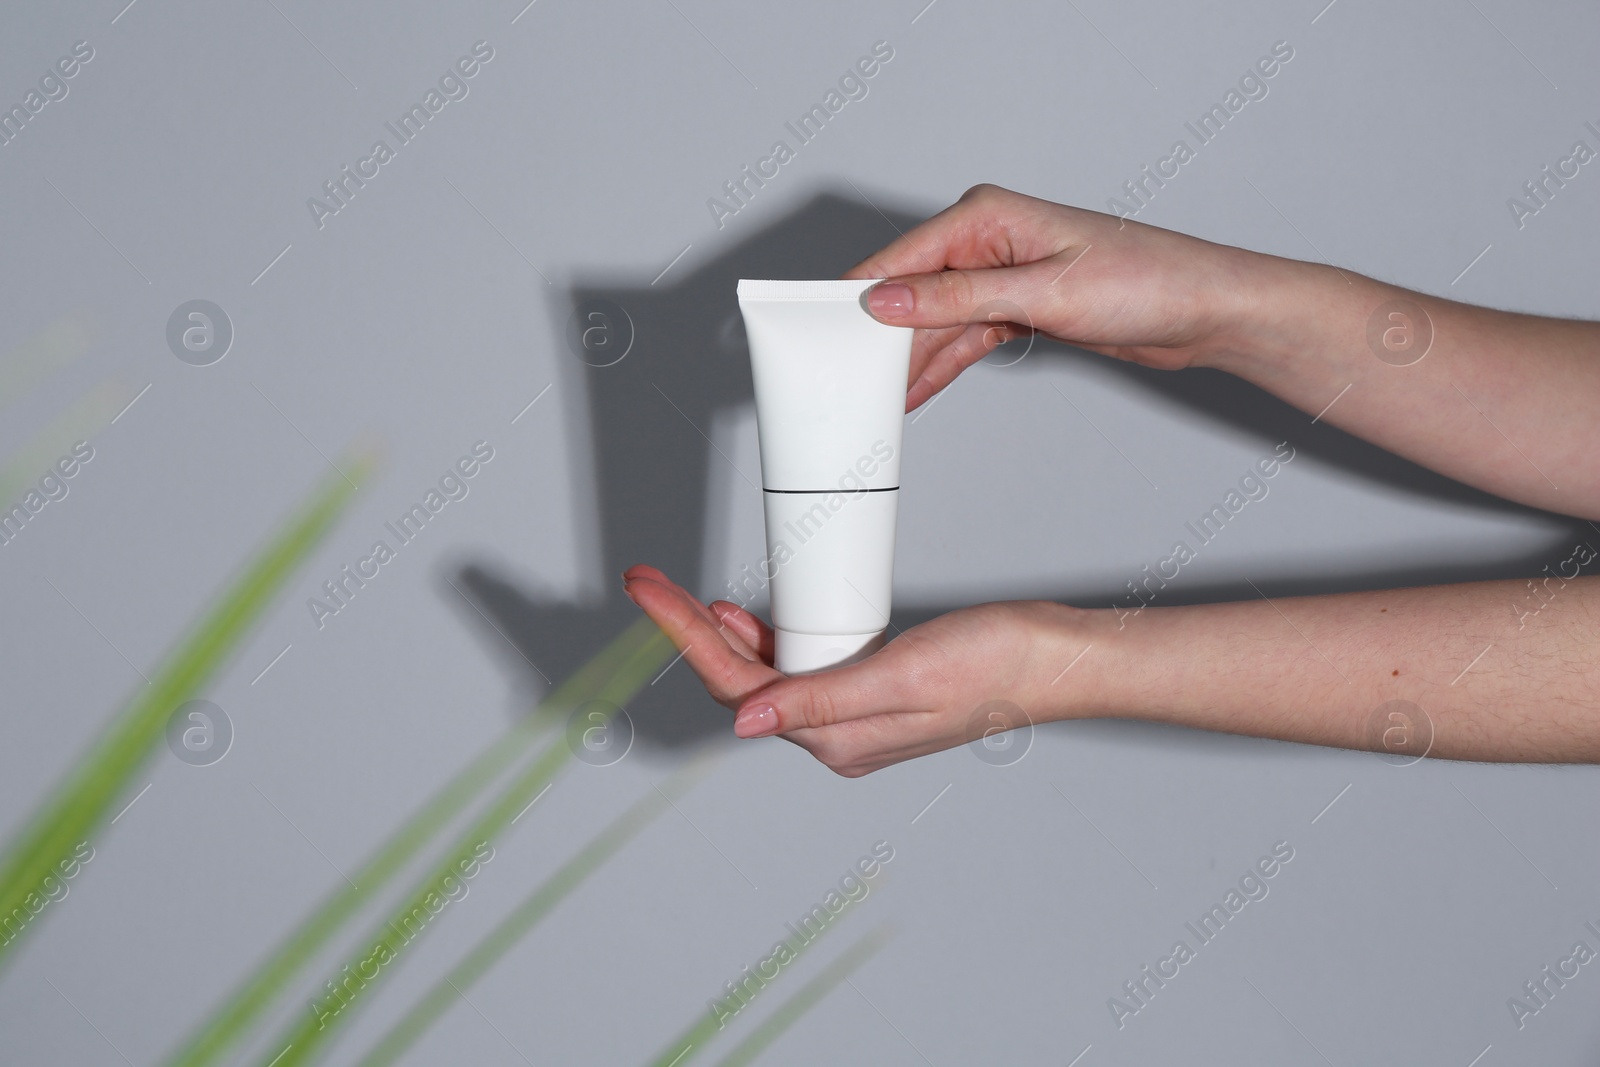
pixel 429 312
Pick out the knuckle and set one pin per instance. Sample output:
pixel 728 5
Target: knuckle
pixel 871 267
pixel 724 684
pixel 976 344
pixel 953 290
pixel 818 709
pixel 993 332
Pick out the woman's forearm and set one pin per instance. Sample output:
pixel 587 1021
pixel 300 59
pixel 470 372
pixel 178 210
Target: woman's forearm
pixel 1482 671
pixel 1502 401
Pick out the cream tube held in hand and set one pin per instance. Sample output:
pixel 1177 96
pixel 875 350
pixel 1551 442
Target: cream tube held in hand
pixel 830 384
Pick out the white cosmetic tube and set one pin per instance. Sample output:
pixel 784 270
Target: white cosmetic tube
pixel 830 384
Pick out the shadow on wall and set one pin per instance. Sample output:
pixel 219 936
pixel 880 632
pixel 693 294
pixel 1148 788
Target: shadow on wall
pixel 663 359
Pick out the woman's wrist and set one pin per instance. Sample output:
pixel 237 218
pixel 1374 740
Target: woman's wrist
pixel 1294 318
pixel 1074 672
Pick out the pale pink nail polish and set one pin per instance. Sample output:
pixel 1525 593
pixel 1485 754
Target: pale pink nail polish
pixel 890 300
pixel 757 720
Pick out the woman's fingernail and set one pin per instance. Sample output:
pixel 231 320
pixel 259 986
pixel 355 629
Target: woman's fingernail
pixel 758 720
pixel 891 300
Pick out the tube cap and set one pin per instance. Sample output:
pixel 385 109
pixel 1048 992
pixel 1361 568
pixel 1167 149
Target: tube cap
pixel 807 653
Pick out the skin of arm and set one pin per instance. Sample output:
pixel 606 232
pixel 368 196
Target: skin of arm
pixel 1319 669
pixel 1499 400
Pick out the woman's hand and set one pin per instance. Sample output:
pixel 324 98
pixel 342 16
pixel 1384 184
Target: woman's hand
pixel 933 687
pixel 998 265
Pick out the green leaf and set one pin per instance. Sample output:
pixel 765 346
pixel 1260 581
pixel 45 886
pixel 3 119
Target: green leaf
pixel 303 1041
pixel 80 801
pixel 510 930
pixel 700 1034
pixel 805 998
pixel 232 1019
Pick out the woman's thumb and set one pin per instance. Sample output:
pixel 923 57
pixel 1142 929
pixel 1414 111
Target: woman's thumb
pixel 957 297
